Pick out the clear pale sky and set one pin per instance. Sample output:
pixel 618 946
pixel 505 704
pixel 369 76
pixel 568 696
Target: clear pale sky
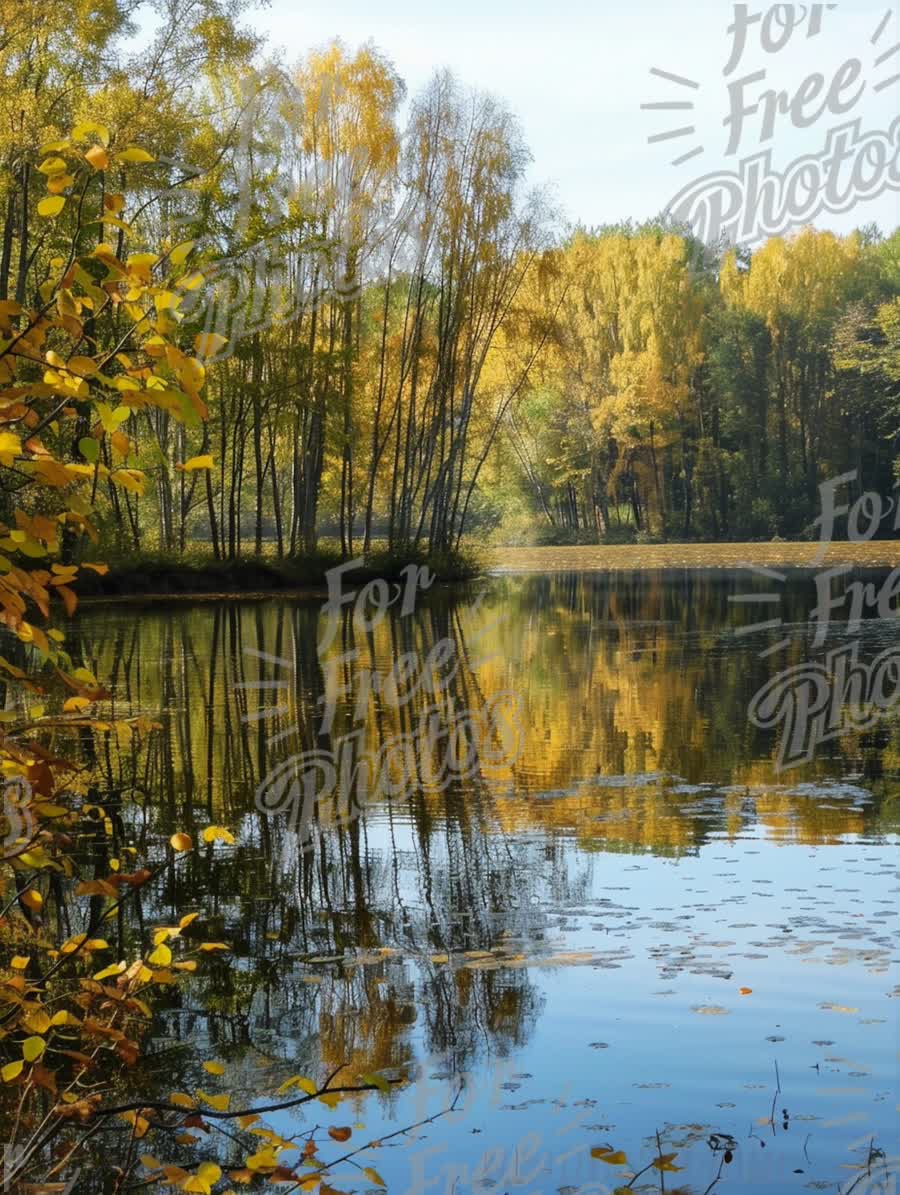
pixel 577 71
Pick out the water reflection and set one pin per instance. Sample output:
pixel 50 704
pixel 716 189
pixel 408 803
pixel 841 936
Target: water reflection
pixel 610 884
pixel 633 690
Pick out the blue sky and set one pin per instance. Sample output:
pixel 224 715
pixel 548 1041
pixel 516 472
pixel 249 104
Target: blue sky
pixel 576 73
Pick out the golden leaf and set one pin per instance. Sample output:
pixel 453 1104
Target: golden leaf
pixel 33 1048
pixel 207 344
pixel 89 128
pixel 133 154
pixel 217 833
pixel 161 956
pixel 51 206
pixel 612 1157
pixel 98 157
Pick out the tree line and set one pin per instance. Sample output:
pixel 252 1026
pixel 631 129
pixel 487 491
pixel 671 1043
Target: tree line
pixel 413 348
pixel 692 394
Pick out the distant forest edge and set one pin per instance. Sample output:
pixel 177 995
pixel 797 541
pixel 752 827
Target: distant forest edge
pixel 421 353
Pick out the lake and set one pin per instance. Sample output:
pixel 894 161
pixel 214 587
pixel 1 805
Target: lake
pixel 549 869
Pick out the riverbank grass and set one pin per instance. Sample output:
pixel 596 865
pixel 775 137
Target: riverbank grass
pixel 198 573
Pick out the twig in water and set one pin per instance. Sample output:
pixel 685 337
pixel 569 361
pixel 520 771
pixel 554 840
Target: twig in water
pixel 348 1157
pixel 775 1096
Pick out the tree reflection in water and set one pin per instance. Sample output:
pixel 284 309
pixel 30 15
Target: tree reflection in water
pixel 418 929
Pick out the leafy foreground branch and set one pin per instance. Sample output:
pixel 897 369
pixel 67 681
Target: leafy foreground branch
pixel 78 1032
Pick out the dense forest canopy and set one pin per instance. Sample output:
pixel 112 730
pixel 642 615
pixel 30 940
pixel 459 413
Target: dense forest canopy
pixel 419 348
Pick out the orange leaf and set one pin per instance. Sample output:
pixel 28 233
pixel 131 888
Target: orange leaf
pixel 98 157
pixel 613 1157
pixel 70 601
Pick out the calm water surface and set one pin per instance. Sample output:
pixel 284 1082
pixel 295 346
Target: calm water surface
pixel 565 935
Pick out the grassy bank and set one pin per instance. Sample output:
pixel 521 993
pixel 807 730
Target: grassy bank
pixel 778 556
pixel 198 575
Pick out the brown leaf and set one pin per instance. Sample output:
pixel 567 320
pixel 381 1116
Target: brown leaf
pixel 43 1078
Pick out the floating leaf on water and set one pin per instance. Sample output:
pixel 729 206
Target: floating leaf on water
pixel 665 1163
pixel 612 1157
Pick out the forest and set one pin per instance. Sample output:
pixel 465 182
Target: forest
pixel 411 346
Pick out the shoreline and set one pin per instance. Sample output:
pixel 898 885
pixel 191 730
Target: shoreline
pixel 797 559
pixel 254 580
pixel 158 579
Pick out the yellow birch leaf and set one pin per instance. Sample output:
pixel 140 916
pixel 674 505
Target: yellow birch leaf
pixel 207 344
pixel 97 157
pixel 161 956
pixel 33 1048
pixel 133 154
pixel 217 833
pixel 51 206
pixel 612 1157
pixel 87 128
